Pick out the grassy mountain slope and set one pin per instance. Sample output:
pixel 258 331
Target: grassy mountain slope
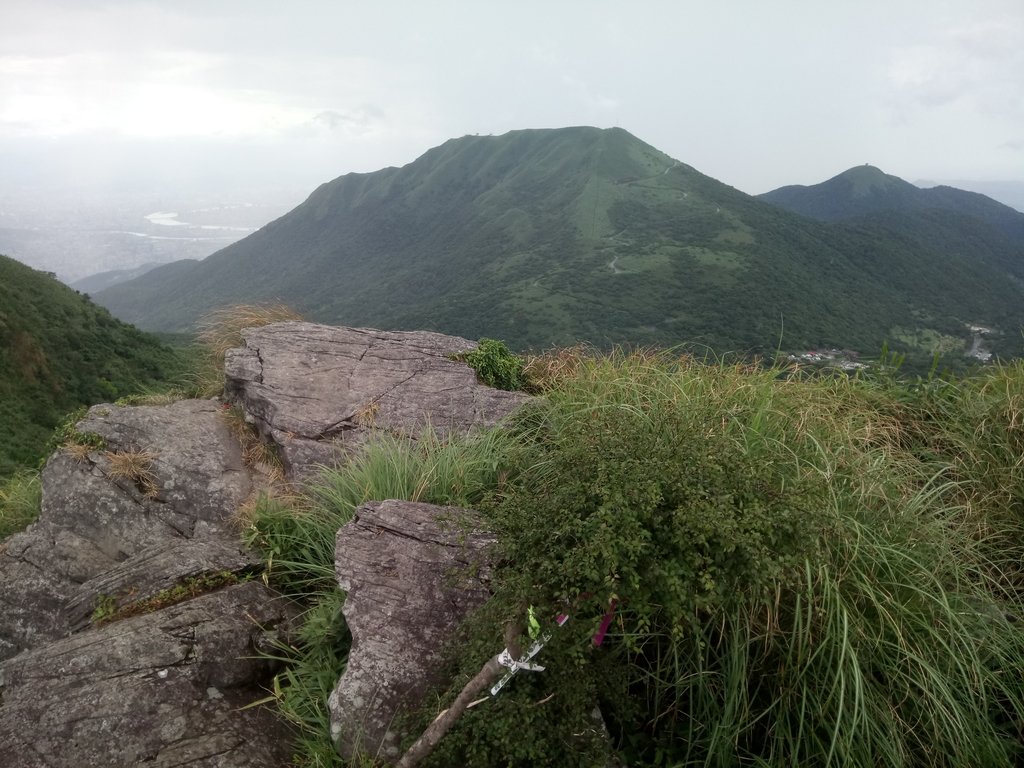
pixel 548 237
pixel 59 351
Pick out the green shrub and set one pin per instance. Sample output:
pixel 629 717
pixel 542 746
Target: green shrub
pixel 792 585
pixel 495 365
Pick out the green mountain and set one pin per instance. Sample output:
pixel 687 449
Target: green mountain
pixel 59 351
pixel 865 190
pixel 545 237
pixel 101 280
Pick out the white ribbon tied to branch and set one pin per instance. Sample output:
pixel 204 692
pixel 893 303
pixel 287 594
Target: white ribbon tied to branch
pixel 514 665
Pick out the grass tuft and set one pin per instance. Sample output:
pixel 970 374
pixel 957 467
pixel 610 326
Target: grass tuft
pixel 221 330
pixel 20 498
pixel 135 466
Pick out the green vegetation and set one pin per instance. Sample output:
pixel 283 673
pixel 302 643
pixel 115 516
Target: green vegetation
pixel 298 536
pixel 865 190
pixel 802 570
pixel 20 496
pixel 495 365
pixel 549 237
pixel 59 351
pixel 110 608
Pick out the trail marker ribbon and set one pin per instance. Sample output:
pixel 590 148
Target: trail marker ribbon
pixel 514 665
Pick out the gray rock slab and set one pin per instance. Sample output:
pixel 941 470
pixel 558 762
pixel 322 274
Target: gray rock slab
pixel 412 572
pixel 92 520
pixel 315 390
pixel 163 689
pixel 153 572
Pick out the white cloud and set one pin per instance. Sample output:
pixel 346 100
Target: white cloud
pixel 980 66
pixel 756 94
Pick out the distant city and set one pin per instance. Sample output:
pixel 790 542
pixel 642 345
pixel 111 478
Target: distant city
pixel 78 235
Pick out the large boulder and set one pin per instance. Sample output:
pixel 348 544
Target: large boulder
pixel 187 484
pixel 412 572
pixel 318 391
pixel 127 531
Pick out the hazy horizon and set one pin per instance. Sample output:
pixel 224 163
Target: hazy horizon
pixel 115 107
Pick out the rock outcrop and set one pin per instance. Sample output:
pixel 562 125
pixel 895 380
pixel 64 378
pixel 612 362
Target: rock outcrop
pixel 412 572
pixel 122 526
pixel 165 689
pixel 317 391
pixel 99 665
pixel 165 474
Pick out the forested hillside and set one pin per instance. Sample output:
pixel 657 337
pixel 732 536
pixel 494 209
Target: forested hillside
pixel 59 351
pixel 549 237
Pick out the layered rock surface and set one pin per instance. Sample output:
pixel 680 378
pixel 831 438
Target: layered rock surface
pixel 412 572
pixel 318 391
pixel 94 518
pixel 120 525
pixel 124 524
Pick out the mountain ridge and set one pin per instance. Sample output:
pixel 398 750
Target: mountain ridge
pixel 865 189
pixel 552 236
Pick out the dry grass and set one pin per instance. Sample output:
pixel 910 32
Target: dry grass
pixel 135 466
pixel 257 454
pixel 77 451
pixel 154 398
pixel 548 369
pixel 367 415
pixel 221 330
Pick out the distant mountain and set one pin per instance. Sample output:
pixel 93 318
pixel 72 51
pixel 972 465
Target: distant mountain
pixel 865 190
pixel 545 237
pixel 103 280
pixel 1009 193
pixel 59 351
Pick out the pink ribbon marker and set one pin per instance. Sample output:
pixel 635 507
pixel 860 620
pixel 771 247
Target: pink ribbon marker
pixel 606 622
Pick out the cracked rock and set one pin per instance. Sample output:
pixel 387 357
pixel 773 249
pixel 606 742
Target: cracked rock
pixel 91 522
pixel 413 572
pixel 136 692
pixel 317 391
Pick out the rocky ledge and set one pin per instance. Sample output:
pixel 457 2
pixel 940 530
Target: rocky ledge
pixel 102 663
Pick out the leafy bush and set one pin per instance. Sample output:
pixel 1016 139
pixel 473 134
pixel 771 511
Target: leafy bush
pixel 791 585
pixel 495 365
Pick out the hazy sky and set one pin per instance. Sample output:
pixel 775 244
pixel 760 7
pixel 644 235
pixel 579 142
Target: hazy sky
pixel 757 94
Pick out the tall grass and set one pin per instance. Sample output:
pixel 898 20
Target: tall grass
pixel 221 330
pixel 804 570
pixel 20 497
pixel 791 561
pixel 297 535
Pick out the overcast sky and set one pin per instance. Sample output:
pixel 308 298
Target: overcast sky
pixel 757 94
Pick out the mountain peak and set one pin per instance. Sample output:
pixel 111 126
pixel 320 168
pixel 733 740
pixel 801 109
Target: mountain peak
pixel 864 179
pixel 552 236
pixel 867 191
